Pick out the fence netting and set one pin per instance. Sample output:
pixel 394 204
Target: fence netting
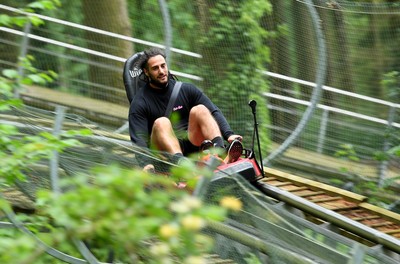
pixel 240 51
pixel 264 229
pixel 234 51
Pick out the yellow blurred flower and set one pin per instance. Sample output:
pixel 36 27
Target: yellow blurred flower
pixel 186 205
pixel 160 249
pixel 179 207
pixel 168 231
pixel 192 202
pixel 195 260
pixel 192 222
pixel 232 203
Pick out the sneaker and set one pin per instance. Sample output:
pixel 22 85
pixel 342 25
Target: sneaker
pixel 205 145
pixel 235 150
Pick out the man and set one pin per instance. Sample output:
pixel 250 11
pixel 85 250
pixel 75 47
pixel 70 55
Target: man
pixel 199 123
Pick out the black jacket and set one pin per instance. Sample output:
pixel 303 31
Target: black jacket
pixel 149 104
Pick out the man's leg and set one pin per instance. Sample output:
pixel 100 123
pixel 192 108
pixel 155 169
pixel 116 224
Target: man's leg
pixel 164 139
pixel 202 126
pixel 163 136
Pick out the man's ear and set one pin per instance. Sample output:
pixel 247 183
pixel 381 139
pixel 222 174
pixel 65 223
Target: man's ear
pixel 146 72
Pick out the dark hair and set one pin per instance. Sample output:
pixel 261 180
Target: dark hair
pixel 147 54
pixel 144 59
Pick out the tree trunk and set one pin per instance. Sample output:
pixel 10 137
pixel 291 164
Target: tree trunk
pixel 208 56
pixel 281 63
pixel 379 57
pixel 232 52
pixel 106 73
pixel 339 70
pixel 305 47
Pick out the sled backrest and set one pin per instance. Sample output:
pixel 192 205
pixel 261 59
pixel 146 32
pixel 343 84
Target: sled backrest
pixel 131 75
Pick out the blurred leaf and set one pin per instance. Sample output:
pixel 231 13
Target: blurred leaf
pixel 27 81
pixel 19 21
pixel 37 78
pixel 381 156
pixel 44 4
pixel 5 20
pixel 81 132
pixel 11 74
pixel 36 21
pixel 395 151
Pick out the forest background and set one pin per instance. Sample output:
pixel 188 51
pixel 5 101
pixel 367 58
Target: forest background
pixel 234 47
pixel 238 42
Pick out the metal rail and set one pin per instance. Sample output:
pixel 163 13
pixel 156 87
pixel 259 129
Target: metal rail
pixel 335 206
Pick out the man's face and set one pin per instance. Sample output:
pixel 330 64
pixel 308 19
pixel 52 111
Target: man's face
pixel 157 71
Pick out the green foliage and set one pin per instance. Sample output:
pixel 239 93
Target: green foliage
pixel 374 192
pixel 141 216
pixel 19 152
pixel 395 151
pixel 43 5
pixel 391 83
pixel 336 182
pixel 236 39
pixel 367 186
pixel 141 25
pixel 138 216
pixel 14 247
pixel 33 7
pixel 231 20
pixel 6 94
pixel 347 152
pixel 253 259
pixel 33 75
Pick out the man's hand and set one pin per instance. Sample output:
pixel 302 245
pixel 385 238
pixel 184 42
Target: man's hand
pixel 233 137
pixel 149 168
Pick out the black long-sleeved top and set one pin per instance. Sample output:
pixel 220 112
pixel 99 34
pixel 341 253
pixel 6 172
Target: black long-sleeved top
pixel 150 104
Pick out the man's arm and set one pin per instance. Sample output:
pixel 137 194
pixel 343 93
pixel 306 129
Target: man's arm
pixel 139 134
pixel 138 130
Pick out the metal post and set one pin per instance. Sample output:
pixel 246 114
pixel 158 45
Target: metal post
pixel 60 113
pixel 386 146
pixel 167 28
pixel 322 130
pixel 23 52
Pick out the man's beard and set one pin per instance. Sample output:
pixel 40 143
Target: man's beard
pixel 158 84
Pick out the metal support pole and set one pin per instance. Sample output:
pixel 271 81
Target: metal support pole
pixel 167 28
pixel 322 130
pixel 22 54
pixel 54 162
pixel 60 113
pixel 386 146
